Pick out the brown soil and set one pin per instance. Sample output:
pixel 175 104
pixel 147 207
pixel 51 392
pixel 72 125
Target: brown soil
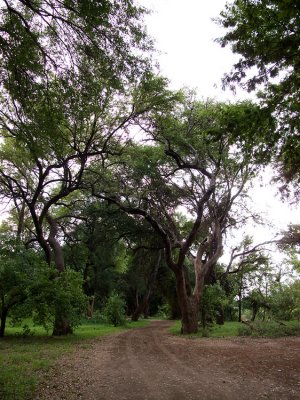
pixel 151 364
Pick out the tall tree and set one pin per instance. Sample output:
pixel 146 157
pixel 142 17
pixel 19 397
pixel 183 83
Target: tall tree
pixel 71 77
pixel 201 159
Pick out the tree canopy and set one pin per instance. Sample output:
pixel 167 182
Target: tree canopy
pixel 127 188
pixel 266 35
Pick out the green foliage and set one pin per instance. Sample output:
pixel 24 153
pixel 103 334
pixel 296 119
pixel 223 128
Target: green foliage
pixel 163 311
pixel 28 286
pixel 21 271
pixel 105 37
pixel 59 297
pixel 285 301
pixel 266 34
pixel 227 330
pixel 230 329
pixel 95 249
pixel 212 303
pixel 114 310
pixel 244 330
pixel 22 359
pixel 270 329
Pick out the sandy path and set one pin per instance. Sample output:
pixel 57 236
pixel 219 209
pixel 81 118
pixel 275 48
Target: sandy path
pixel 151 364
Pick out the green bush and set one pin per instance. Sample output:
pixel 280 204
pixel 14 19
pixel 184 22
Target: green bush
pixel 284 300
pixel 59 296
pixel 244 330
pixel 163 311
pixel 97 318
pixel 270 329
pixel 114 310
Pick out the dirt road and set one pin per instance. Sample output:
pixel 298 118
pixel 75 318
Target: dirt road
pixel 151 364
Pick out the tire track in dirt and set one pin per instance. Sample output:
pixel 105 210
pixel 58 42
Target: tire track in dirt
pixel 164 374
pixel 154 372
pixel 151 364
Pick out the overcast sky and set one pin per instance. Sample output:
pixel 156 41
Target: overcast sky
pixel 184 34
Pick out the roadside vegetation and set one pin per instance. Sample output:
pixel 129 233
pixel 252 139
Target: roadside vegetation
pixel 27 351
pixel 120 195
pixel 234 329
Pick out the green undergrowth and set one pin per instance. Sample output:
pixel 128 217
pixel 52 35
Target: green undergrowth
pixel 228 329
pixel 25 352
pixel 257 329
pixel 270 329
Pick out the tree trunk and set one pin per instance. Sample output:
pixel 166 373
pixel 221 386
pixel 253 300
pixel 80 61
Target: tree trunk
pixel 240 306
pixel 3 321
pixel 220 316
pixel 55 245
pixel 175 308
pixel 21 212
pixel 61 323
pixel 190 315
pixel 255 308
pixel 90 307
pixel 141 307
pixel 61 326
pixel 189 305
pixel 146 311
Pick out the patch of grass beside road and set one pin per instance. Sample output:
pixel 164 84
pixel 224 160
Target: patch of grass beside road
pixel 257 329
pixel 23 355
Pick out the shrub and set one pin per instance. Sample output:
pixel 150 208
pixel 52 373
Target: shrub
pixel 244 330
pixel 114 310
pixel 269 329
pixel 163 311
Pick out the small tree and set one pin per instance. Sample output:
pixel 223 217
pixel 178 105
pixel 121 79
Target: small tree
pixel 285 300
pixel 20 271
pixel 211 307
pixel 114 310
pixel 59 301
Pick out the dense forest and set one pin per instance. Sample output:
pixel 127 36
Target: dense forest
pixel 119 194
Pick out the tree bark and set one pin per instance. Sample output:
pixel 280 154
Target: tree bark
pixel 3 321
pixel 175 308
pixel 220 316
pixel 189 305
pixel 61 323
pixel 189 316
pixel 240 307
pixel 141 307
pixel 21 212
pixel 90 307
pixel 55 245
pixel 61 326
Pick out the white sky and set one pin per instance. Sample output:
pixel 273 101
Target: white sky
pixel 184 34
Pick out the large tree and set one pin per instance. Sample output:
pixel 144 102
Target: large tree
pixel 200 160
pixel 71 78
pixel 42 173
pixel 266 34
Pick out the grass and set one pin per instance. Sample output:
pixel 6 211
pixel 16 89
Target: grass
pixel 229 329
pixel 22 358
pixel 271 329
pixel 226 330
